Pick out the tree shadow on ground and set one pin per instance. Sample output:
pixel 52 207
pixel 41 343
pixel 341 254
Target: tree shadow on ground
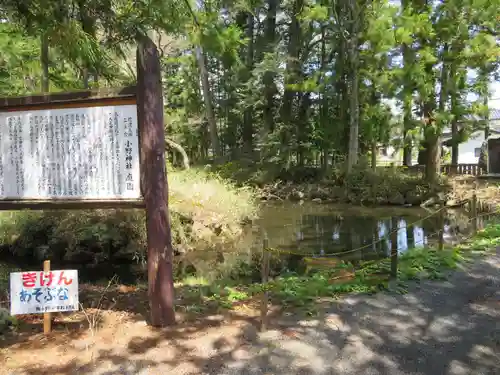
pixel 444 327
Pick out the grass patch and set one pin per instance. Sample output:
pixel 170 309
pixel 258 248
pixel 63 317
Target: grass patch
pixel 302 291
pixel 210 198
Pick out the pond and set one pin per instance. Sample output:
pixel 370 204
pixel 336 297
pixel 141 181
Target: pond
pixel 310 229
pixel 315 229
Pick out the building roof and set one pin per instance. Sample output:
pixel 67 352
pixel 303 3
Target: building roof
pixel 494 115
pixel 446 135
pixel 493 122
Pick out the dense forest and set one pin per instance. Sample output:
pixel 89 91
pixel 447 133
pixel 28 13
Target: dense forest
pixel 285 82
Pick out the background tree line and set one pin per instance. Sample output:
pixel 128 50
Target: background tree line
pixel 286 82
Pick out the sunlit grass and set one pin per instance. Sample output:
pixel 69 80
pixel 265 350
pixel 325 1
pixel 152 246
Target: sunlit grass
pixel 193 281
pixel 207 197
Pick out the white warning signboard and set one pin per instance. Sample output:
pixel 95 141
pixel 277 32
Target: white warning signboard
pixel 38 291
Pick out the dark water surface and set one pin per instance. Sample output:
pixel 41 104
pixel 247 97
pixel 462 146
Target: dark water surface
pixel 309 229
pixel 317 229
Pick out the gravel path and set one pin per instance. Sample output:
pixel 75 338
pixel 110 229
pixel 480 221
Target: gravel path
pixel 437 328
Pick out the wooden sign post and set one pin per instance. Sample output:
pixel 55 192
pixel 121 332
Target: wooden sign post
pixel 47 317
pixel 95 149
pixel 154 184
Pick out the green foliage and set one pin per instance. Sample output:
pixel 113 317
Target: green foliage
pixel 6 321
pixel 5 271
pixel 206 214
pixel 301 291
pixel 87 237
pixel 280 91
pixel 19 62
pixel 384 185
pixel 362 186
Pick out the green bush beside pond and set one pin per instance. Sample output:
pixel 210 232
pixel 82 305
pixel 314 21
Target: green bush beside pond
pixel 362 186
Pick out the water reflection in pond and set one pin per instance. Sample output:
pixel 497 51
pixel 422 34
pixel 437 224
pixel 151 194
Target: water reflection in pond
pixel 316 229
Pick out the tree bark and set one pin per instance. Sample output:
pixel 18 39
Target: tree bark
pixel 433 156
pixel 292 68
pixel 407 100
pixel 154 184
pixel 486 122
pixel 209 109
pixel 341 86
pixel 177 147
pixel 454 122
pixel 303 118
pixel 44 61
pixel 374 155
pixel 247 131
pixel 431 127
pixel 352 156
pixel 88 26
pixel 269 86
pixel 323 107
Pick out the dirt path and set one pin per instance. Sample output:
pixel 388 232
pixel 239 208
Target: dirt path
pixel 437 328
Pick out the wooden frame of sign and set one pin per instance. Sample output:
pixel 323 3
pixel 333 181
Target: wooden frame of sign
pixel 95 149
pixel 39 116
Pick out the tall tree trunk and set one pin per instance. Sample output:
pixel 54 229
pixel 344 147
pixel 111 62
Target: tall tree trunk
pixel 269 86
pixel 352 156
pixel 433 132
pixel 454 110
pixel 341 86
pixel 292 68
pixel 408 143
pixel 303 118
pixel 407 100
pixel 456 83
pixel 247 131
pixel 484 77
pixel 323 110
pixel 154 184
pixel 209 109
pixel 291 77
pixel 44 61
pixel 374 154
pixel 454 135
pixel 433 156
pixel 88 26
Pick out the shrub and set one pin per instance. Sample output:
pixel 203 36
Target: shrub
pixel 6 320
pixel 383 185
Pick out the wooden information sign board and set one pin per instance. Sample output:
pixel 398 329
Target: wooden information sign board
pixel 70 153
pixel 96 149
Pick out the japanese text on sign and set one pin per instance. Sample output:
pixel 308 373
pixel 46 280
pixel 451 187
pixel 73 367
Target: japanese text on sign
pixel 70 153
pixel 38 292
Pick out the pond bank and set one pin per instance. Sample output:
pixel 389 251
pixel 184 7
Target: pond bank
pixel 294 231
pixel 363 186
pixel 454 192
pixel 452 324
